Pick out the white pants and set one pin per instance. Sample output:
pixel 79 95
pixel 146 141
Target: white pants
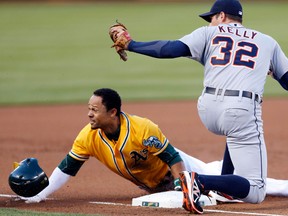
pixel 274 187
pixel 240 120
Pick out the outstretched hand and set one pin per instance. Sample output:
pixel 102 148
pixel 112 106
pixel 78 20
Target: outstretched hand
pixel 34 199
pixel 121 38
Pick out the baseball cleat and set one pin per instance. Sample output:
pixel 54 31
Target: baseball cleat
pixel 191 189
pixel 228 197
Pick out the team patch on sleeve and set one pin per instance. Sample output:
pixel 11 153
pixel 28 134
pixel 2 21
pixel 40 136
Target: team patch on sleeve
pixel 78 157
pixel 153 141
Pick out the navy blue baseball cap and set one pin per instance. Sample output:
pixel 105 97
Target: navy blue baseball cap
pixel 232 7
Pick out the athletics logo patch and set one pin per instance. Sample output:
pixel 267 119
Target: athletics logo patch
pixel 137 157
pixel 153 141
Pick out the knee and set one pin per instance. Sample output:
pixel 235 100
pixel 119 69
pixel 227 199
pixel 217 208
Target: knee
pixel 256 195
pixel 255 199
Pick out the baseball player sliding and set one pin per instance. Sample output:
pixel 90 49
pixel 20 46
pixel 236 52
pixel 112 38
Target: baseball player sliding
pixel 236 61
pixel 131 146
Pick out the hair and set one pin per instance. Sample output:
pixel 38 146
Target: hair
pixel 232 17
pixel 236 18
pixel 110 99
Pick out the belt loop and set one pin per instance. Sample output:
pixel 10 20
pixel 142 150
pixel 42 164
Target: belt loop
pixel 222 94
pixel 216 93
pixel 240 95
pixel 203 92
pixel 253 97
pixel 259 99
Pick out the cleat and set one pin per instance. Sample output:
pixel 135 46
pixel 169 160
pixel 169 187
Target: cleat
pixel 223 198
pixel 228 197
pixel 191 189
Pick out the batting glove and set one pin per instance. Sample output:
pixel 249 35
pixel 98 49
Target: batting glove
pixel 177 185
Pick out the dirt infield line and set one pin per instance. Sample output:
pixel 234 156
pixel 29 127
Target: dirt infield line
pixel 8 195
pixel 207 210
pixel 110 203
pixel 242 213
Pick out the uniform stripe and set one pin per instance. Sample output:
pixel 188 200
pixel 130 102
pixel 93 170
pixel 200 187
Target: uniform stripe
pixel 128 131
pixel 112 152
pixel 78 157
pixel 260 143
pixel 122 148
pixel 166 142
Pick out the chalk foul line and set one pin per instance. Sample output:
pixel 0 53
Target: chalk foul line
pixel 110 203
pixel 207 210
pixel 242 213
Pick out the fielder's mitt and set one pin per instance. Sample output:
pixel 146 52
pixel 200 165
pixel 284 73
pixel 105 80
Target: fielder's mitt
pixel 121 38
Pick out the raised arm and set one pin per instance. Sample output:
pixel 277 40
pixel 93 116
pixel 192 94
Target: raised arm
pixel 157 49
pixel 160 48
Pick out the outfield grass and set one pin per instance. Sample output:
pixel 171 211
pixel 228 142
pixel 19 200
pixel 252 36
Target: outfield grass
pixel 16 212
pixel 61 53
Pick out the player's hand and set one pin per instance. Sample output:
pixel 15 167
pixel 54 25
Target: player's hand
pixel 121 38
pixel 177 185
pixel 34 199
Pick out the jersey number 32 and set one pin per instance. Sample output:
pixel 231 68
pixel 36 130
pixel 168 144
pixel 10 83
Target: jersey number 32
pixel 241 55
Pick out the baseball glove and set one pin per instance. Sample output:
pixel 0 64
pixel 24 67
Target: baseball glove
pixel 121 38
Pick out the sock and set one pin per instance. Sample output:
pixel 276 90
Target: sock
pixel 232 185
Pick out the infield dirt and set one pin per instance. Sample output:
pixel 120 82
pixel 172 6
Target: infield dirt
pixel 47 133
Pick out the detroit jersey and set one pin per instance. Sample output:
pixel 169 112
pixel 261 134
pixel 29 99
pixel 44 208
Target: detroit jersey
pixel 235 57
pixel 133 156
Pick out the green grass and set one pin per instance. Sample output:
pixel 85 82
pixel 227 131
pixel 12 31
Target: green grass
pixel 60 53
pixel 16 212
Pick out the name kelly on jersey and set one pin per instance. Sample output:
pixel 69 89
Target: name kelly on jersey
pixel 237 32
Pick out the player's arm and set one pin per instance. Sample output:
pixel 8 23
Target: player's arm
pixel 157 49
pixel 172 157
pixel 284 81
pixel 160 48
pixel 60 176
pixel 279 67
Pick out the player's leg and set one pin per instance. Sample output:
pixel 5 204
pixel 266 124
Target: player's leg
pixel 227 167
pixel 253 167
pixel 277 187
pixel 196 165
pixel 247 149
pixel 240 121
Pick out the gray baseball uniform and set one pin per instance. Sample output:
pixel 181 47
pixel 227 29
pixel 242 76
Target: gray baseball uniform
pixel 237 58
pixel 274 187
pixel 236 61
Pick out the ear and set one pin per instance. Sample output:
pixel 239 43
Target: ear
pixel 113 112
pixel 223 16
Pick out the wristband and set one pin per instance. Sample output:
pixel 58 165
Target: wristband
pixel 177 184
